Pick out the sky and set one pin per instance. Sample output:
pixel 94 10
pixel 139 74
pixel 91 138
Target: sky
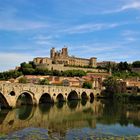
pixel 106 29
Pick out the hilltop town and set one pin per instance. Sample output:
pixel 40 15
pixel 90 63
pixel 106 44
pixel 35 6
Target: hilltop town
pixel 61 69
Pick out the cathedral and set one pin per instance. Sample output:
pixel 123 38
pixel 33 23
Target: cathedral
pixel 62 58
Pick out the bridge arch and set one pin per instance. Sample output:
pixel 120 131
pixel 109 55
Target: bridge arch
pixel 72 95
pixel 84 96
pixel 3 102
pixel 45 98
pixel 91 96
pixel 25 98
pixel 60 97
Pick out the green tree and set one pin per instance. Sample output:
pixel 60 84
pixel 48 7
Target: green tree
pixel 112 86
pixel 44 82
pixel 10 74
pixel 136 64
pixel 123 66
pixel 87 85
pixel 39 71
pixel 28 71
pixel 56 73
pixel 23 80
pixel 72 73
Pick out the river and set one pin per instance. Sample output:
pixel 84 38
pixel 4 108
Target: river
pixel 98 119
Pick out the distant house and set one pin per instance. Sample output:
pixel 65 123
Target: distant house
pixel 96 79
pixel 130 86
pixel 72 82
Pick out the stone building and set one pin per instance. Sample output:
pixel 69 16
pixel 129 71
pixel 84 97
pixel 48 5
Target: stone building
pixel 59 59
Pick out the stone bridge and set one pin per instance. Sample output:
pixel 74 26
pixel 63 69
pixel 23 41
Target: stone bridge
pixel 14 94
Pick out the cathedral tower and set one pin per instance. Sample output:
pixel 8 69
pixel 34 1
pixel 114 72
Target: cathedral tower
pixel 52 53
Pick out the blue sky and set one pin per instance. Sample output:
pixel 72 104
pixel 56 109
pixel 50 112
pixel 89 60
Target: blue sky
pixel 106 29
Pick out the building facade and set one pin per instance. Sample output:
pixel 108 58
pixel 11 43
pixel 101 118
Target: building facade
pixel 61 59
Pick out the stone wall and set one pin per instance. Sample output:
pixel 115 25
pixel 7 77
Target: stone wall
pixel 61 67
pixel 36 91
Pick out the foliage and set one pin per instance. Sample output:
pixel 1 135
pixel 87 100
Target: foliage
pixel 10 74
pixel 44 82
pixel 27 68
pixel 23 80
pixel 39 71
pixel 56 73
pixel 136 64
pixel 87 85
pixel 112 86
pixel 124 74
pixel 72 73
pixel 123 66
pixel 126 97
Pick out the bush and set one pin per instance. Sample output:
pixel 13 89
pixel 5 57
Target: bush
pixel 87 85
pixel 44 82
pixel 23 80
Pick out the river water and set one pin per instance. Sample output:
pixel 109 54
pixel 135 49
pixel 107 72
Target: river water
pixel 98 119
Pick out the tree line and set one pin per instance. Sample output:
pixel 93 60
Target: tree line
pixel 30 69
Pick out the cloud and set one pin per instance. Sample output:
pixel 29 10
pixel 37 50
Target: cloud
pixel 130 35
pixel 45 39
pixel 11 60
pixel 135 5
pixel 20 25
pixel 11 21
pixel 91 27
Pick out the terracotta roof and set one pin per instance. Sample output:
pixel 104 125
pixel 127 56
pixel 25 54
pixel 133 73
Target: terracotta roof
pixel 72 79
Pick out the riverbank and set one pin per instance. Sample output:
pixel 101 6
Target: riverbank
pixel 127 97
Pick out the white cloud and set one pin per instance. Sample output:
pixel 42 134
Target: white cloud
pixel 44 39
pixel 134 5
pixel 10 21
pixel 11 60
pixel 90 27
pixel 20 25
pixel 130 35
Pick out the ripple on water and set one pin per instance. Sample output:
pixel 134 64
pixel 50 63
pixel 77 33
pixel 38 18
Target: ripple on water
pixel 73 134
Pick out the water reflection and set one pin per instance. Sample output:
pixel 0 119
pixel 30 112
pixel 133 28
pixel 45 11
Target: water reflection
pixel 3 114
pixel 24 112
pixel 45 108
pixel 63 116
pixel 60 104
pixel 72 104
pixel 83 102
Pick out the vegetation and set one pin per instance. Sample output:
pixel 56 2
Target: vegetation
pixel 113 89
pixel 44 82
pixel 121 70
pixel 125 75
pixel 136 64
pixel 30 69
pixel 23 80
pixel 127 97
pixel 10 74
pixel 112 86
pixel 72 73
pixel 87 85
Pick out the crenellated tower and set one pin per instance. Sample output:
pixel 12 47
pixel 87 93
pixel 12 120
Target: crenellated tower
pixel 52 53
